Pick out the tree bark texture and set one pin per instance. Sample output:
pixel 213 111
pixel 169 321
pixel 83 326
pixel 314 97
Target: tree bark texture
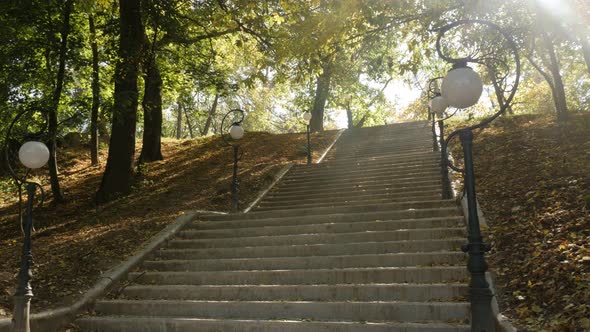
pixel 151 149
pixel 179 122
pixel 53 109
pixel 586 51
pixel 188 123
pixel 118 175
pixel 210 116
pixel 500 96
pixel 95 93
pixel 559 93
pixel 349 117
pixel 321 95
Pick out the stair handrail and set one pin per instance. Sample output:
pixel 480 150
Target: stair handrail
pixel 480 294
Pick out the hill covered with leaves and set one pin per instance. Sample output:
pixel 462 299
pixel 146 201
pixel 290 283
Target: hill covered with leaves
pixel 74 242
pixel 533 182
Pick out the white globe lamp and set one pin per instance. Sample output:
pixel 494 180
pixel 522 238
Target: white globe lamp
pixel 438 105
pixel 33 154
pixel 462 87
pixel 307 117
pixel 236 131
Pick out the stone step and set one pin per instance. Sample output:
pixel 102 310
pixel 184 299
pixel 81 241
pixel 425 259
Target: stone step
pixel 378 152
pixel 362 292
pixel 297 263
pixel 268 205
pixel 390 151
pixel 359 179
pixel 385 157
pixel 349 311
pixel 315 249
pixel 357 191
pixel 344 197
pixel 400 137
pixel 401 169
pixel 367 185
pixel 193 231
pixel 396 235
pixel 205 223
pixel 381 175
pixel 394 206
pixel 185 324
pixel 422 275
pixel 371 163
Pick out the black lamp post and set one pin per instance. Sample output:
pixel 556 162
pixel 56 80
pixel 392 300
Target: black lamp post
pixel 437 112
pixel 307 119
pixel 462 88
pixel 32 154
pixel 434 107
pixel 236 132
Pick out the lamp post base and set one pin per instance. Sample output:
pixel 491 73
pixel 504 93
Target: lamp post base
pixel 308 146
pixel 24 291
pixel 234 185
pixel 20 319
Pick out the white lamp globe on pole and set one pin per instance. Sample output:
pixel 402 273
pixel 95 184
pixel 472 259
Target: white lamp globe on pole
pixel 438 105
pixel 462 87
pixel 307 117
pixel 33 154
pixel 236 131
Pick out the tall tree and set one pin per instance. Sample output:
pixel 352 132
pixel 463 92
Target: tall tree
pixel 558 86
pixel 321 96
pixel 95 92
pixel 210 115
pixel 117 178
pixel 151 148
pixel 53 108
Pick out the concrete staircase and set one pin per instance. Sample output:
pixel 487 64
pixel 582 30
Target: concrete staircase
pixel 360 242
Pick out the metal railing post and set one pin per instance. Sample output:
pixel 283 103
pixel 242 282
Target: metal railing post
pixel 234 183
pixel 480 295
pixel 24 290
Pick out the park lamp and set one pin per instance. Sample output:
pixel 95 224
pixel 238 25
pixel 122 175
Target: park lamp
pixel 236 131
pixel 33 154
pixel 307 117
pixel 462 87
pixel 438 105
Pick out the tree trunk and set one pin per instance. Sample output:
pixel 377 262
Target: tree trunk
pixel 321 95
pixel 117 178
pixel 500 96
pixel 95 93
pixel 188 123
pixel 151 149
pixel 103 126
pixel 560 99
pixel 52 125
pixel 586 51
pixel 361 122
pixel 349 117
pixel 4 94
pixel 179 122
pixel 210 116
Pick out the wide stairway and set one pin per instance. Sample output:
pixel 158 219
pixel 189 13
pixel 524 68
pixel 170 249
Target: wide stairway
pixel 361 242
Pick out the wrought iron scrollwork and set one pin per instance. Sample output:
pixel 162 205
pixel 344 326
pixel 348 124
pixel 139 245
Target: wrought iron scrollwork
pixel 490 59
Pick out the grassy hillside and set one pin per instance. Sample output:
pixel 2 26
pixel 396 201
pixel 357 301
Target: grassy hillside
pixel 76 241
